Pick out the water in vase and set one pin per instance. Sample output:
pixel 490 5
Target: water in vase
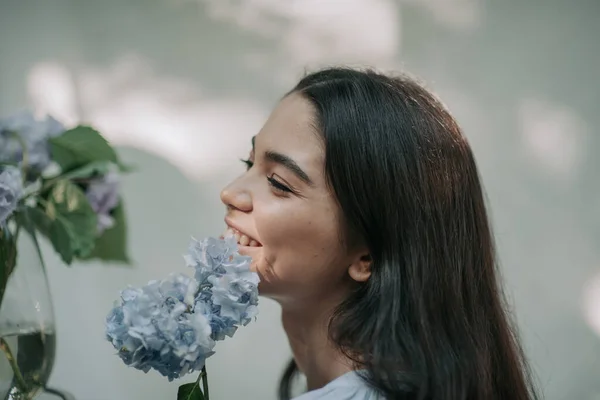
pixel 33 354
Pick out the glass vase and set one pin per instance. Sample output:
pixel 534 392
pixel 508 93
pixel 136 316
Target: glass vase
pixel 27 338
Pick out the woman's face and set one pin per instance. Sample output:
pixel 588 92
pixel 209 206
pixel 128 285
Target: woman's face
pixel 283 213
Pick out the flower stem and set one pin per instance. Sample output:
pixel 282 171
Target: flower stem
pixel 21 384
pixel 204 382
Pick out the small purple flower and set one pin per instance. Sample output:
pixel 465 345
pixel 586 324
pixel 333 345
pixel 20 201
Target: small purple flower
pixel 103 195
pixel 11 190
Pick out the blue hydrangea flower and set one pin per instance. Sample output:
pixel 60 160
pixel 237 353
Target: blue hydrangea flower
pixel 103 195
pixel 154 327
pixel 228 286
pixel 11 190
pixel 172 325
pixel 209 256
pixel 33 133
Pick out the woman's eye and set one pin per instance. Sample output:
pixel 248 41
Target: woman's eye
pixel 278 185
pixel 274 183
pixel 248 163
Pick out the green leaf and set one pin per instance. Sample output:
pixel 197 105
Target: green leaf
pixel 68 221
pixel 73 214
pixel 190 391
pixel 94 168
pixel 40 220
pixel 80 146
pixel 127 168
pixel 57 231
pixel 112 244
pixel 8 258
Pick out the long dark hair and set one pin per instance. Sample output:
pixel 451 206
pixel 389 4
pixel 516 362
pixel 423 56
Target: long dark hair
pixel 430 323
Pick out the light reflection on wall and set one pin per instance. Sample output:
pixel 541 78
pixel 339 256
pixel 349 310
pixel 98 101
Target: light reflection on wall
pixel 133 106
pixel 591 303
pixel 456 14
pixel 51 88
pixel 319 32
pixel 553 135
pixel 312 33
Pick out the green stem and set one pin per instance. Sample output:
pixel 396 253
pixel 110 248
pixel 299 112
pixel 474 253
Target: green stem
pixel 11 258
pixel 17 231
pixel 204 382
pixel 21 384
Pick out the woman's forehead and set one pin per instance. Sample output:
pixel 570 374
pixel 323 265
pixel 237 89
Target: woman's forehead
pixel 290 130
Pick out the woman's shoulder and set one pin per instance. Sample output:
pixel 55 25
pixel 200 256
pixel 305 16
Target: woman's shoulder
pixel 349 386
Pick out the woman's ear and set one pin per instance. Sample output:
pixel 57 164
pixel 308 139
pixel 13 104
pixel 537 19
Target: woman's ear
pixel 360 270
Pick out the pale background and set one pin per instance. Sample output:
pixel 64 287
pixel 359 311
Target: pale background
pixel 181 86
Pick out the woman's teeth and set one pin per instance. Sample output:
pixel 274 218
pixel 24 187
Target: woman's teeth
pixel 240 238
pixel 244 240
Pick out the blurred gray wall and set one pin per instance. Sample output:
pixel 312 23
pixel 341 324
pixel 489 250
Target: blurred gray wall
pixel 181 85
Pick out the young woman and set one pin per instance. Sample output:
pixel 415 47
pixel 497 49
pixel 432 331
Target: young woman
pixel 363 212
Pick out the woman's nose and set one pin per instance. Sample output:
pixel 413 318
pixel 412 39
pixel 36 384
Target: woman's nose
pixel 235 196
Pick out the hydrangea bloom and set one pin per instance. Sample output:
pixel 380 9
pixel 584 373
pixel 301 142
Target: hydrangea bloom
pixel 103 195
pixel 172 325
pixel 11 190
pixel 33 133
pixel 228 288
pixel 155 328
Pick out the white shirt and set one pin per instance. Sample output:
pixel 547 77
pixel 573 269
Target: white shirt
pixel 349 386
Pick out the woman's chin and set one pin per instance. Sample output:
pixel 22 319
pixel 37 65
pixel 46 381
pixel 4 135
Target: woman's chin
pixel 255 252
pixel 259 266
